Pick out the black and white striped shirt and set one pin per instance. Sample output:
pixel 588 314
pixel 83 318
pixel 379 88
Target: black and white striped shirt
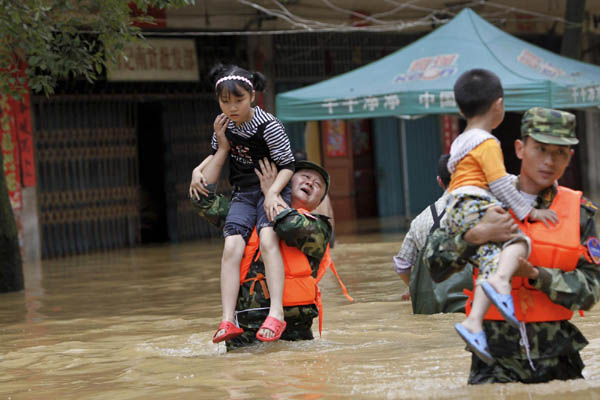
pixel 247 148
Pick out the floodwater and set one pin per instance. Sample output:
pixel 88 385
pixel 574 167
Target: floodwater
pixel 137 324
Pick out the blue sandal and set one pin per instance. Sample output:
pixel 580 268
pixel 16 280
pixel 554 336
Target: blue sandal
pixel 503 302
pixel 476 342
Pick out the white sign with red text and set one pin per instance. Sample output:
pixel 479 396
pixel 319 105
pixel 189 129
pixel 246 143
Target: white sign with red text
pixel 157 60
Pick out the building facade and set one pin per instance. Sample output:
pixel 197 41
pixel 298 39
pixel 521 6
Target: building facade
pixel 105 166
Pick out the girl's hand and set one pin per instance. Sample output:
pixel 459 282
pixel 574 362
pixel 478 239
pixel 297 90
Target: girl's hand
pixel 546 216
pixel 274 204
pixel 198 185
pixel 220 126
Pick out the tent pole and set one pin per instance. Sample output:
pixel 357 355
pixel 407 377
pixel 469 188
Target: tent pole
pixel 405 169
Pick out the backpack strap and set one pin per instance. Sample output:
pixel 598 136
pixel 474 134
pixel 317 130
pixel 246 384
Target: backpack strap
pixel 436 218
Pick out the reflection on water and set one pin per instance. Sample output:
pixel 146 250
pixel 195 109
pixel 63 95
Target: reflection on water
pixel 137 324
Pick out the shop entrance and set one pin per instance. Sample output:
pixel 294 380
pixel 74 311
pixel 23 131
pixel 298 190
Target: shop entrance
pixel 152 196
pixel 347 153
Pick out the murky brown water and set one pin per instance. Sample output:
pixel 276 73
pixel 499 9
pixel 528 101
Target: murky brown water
pixel 138 324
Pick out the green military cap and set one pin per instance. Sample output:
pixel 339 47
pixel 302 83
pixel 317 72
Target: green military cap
pixel 303 164
pixel 549 126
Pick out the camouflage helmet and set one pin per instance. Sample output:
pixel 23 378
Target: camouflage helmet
pixel 549 126
pixel 304 164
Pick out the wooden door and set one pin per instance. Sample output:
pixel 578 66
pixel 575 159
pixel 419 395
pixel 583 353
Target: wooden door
pixel 336 144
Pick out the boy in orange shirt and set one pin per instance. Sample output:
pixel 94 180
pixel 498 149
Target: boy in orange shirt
pixel 479 181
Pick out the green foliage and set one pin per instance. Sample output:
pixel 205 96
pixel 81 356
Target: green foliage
pixel 63 39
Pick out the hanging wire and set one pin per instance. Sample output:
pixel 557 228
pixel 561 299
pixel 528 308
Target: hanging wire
pixel 544 17
pixel 432 16
pixel 353 13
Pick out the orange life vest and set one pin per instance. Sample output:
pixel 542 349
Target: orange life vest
pixel 558 246
pixel 300 288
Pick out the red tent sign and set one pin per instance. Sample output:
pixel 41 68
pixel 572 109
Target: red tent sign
pixel 430 68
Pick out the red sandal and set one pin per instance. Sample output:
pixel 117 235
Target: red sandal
pixel 274 325
pixel 231 331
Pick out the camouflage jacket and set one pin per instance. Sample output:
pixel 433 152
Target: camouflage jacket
pixel 576 290
pixel 213 208
pixel 309 233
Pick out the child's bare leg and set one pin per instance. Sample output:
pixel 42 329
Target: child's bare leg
pixel 271 255
pixel 480 306
pixel 233 251
pixel 508 264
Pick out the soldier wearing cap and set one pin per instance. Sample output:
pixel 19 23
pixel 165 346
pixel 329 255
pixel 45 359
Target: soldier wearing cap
pixel 298 229
pixel 562 274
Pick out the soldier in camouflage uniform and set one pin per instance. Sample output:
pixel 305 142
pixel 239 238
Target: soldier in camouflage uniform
pixel 553 351
pixel 310 233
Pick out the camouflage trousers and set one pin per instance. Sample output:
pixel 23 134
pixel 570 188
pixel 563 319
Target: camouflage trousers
pixel 554 351
pixel 505 370
pixel 465 210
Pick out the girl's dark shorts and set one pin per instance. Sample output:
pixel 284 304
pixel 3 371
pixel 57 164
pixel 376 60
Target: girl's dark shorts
pixel 247 211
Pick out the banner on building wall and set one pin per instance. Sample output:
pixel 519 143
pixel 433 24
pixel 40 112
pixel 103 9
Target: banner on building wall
pixel 157 60
pixel 10 153
pixel 21 117
pixel 449 131
pixel 335 138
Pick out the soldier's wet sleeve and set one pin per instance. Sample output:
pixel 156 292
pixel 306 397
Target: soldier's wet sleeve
pixel 578 289
pixel 309 233
pixel 445 255
pixel 213 208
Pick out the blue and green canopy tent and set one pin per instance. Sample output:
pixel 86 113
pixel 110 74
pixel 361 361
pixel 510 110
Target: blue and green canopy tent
pixel 418 79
